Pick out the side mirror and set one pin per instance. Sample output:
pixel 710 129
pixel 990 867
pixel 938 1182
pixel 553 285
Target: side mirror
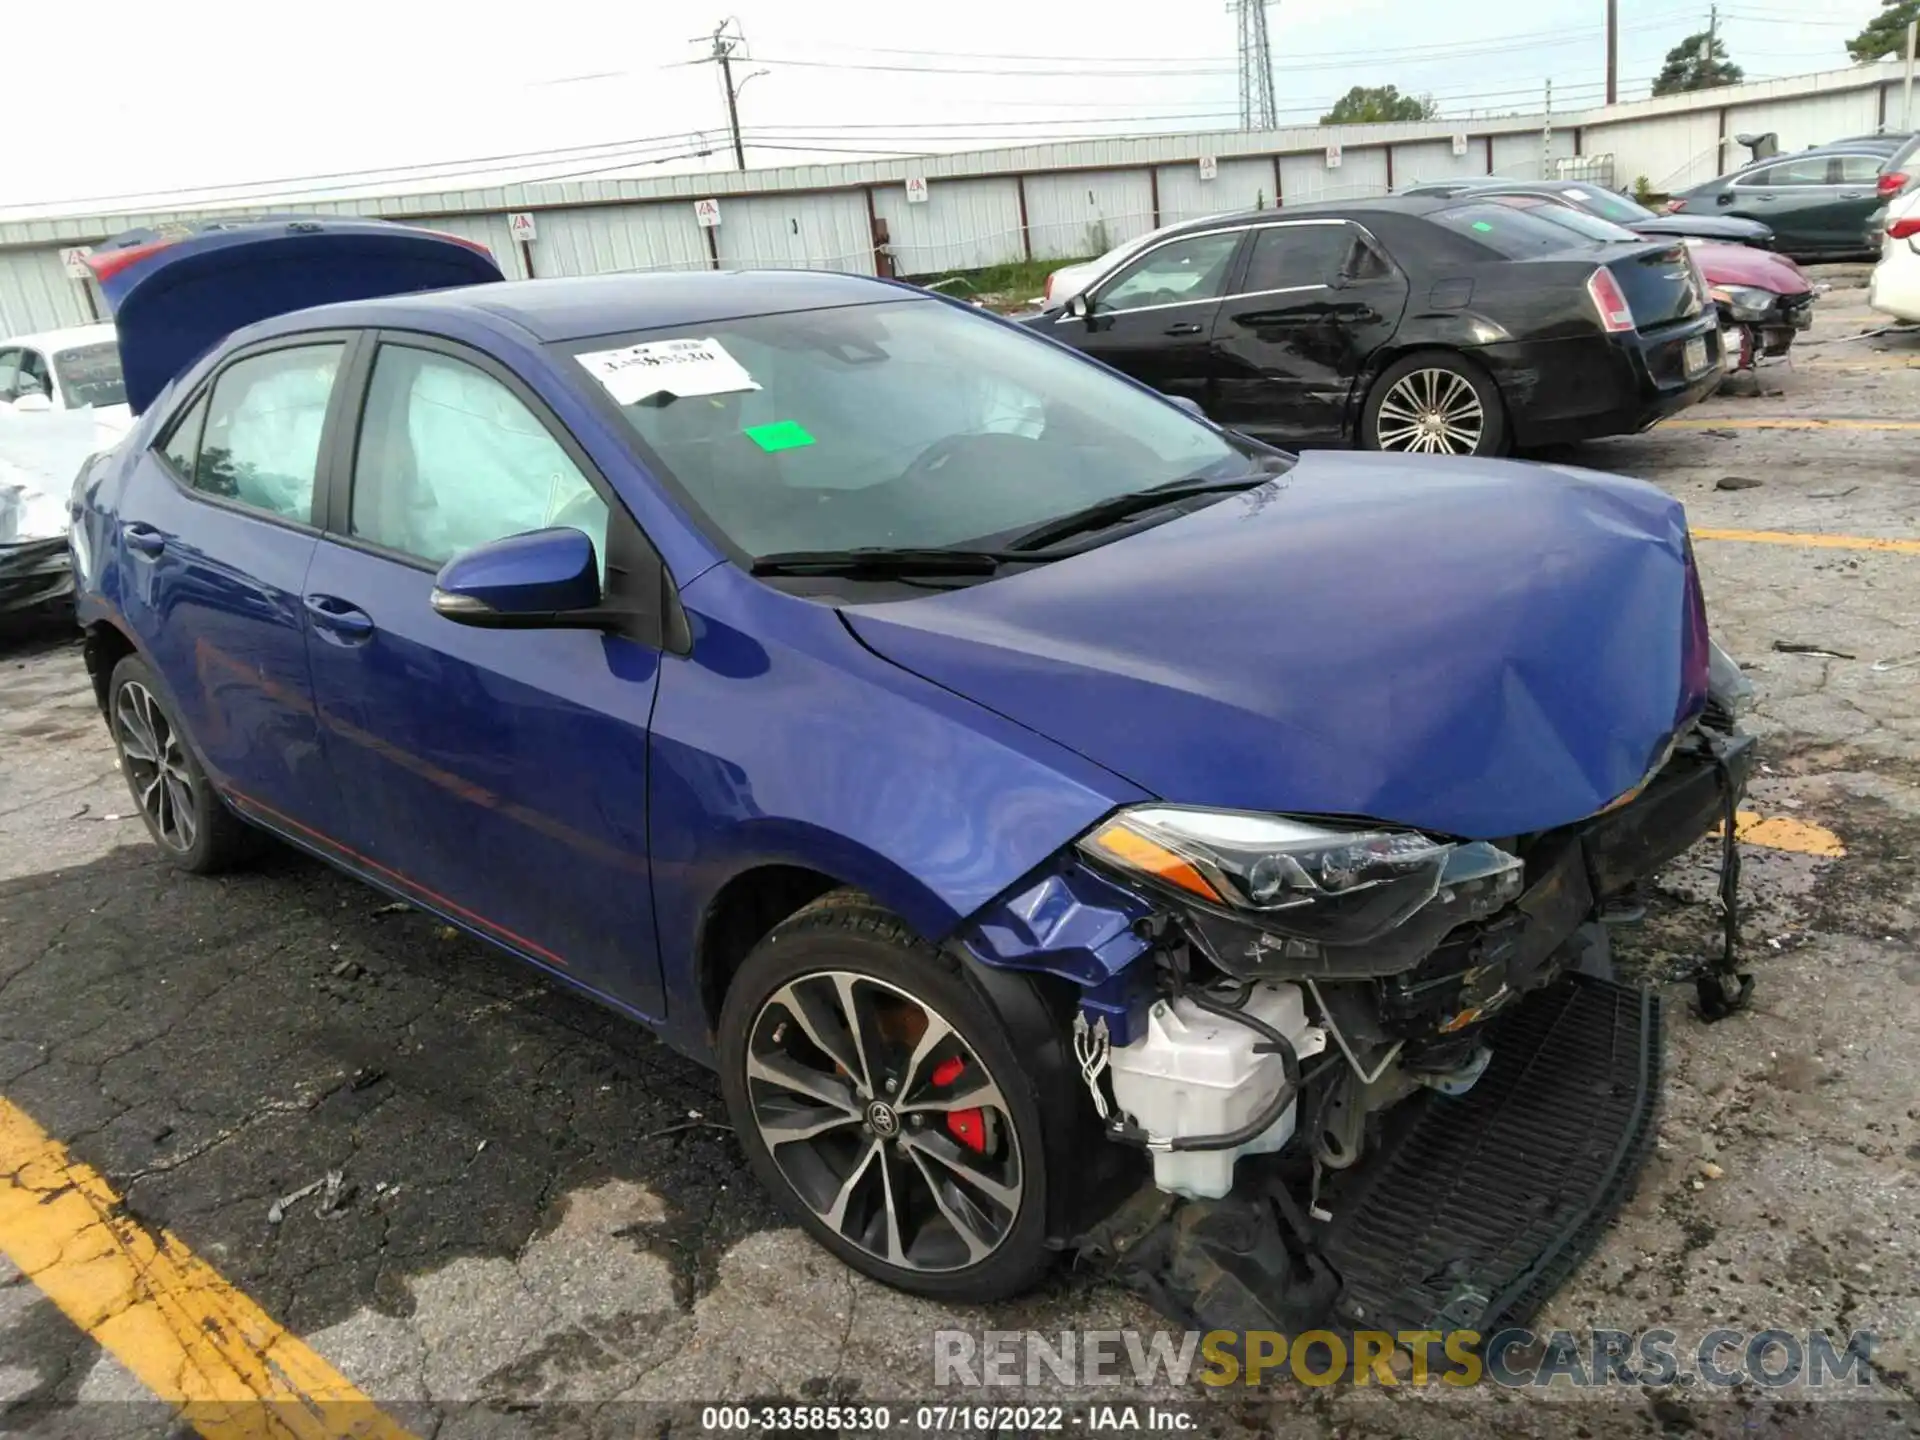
pixel 34 402
pixel 1079 307
pixel 542 580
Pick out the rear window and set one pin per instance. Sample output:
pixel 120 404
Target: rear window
pixel 1512 232
pixel 1590 227
pixel 90 375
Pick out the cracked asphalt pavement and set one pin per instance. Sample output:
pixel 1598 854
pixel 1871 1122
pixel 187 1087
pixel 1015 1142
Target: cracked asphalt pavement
pixel 543 1226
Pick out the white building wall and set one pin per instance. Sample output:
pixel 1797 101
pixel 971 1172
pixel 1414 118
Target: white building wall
pixel 962 224
pixel 1079 213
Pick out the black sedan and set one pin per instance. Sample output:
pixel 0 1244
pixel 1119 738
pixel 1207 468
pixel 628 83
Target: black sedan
pixel 1612 205
pixel 1454 326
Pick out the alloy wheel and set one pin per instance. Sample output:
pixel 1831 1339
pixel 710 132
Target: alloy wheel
pixel 884 1121
pixel 156 766
pixel 1431 412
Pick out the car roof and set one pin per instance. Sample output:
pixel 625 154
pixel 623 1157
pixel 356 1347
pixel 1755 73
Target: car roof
pixel 55 341
pixel 578 307
pixel 1333 210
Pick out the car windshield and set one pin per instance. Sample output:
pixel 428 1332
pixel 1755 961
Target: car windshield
pixel 90 375
pixel 1609 206
pixel 1518 231
pixel 902 424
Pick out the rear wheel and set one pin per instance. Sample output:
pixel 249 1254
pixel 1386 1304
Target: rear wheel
pixel 875 1090
pixel 1434 403
pixel 187 820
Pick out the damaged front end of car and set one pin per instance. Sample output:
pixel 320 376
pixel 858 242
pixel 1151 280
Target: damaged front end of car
pixel 1379 1079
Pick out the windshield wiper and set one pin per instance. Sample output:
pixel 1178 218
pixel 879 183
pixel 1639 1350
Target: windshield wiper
pixel 1106 512
pixel 882 561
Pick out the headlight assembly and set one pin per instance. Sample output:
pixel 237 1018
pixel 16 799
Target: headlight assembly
pixel 1273 890
pixel 1745 302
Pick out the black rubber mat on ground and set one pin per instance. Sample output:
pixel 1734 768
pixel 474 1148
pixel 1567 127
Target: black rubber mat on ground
pixel 1486 1203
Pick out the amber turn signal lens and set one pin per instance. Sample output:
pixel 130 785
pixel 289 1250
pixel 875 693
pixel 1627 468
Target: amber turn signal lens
pixel 1136 851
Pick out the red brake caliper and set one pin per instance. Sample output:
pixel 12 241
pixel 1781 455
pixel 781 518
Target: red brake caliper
pixel 969 1127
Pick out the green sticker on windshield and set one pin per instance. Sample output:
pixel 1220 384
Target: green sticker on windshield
pixel 780 435
pixel 1481 225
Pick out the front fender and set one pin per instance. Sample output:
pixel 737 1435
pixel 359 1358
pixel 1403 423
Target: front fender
pixel 782 740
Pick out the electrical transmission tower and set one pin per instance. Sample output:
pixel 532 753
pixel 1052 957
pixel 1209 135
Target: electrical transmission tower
pixel 1257 108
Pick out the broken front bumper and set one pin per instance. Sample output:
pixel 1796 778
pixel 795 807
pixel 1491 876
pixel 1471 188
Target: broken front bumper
pixel 1470 1208
pixel 34 573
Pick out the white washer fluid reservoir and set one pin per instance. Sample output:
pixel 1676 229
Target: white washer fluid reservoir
pixel 1196 1073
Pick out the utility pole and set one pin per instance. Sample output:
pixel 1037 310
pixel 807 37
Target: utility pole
pixel 1706 46
pixel 1613 51
pixel 723 47
pixel 1906 87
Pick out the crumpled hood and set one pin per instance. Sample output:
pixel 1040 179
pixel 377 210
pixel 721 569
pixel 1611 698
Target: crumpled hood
pixel 1478 648
pixel 1744 265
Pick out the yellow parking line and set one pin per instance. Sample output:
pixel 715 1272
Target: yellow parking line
pixel 189 1336
pixel 1787 422
pixel 1812 541
pixel 1781 832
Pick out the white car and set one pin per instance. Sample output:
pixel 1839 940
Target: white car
pixel 1895 287
pixel 1071 280
pixel 77 369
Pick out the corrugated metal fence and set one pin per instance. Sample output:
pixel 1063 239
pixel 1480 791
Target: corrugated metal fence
pixel 1043 202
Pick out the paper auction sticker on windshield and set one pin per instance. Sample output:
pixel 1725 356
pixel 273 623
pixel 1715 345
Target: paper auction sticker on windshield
pixel 683 368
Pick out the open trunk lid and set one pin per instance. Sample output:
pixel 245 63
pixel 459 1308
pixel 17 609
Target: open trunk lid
pixel 178 291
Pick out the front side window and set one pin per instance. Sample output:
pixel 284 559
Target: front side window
pixel 449 458
pixel 90 375
pixel 1180 270
pixel 33 374
pixel 9 374
pixel 1291 257
pixel 1791 172
pixel 904 423
pixel 261 443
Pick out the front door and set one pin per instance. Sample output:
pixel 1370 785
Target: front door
pixel 1318 299
pixel 499 776
pixel 216 570
pixel 1152 319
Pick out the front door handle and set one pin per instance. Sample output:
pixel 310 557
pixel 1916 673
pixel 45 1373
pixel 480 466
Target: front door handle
pixel 145 539
pixel 330 613
pixel 1185 328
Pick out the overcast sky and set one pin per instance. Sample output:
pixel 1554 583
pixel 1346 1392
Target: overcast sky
pixel 131 97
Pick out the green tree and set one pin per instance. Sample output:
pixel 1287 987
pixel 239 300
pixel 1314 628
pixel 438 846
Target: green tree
pixel 1687 70
pixel 1886 33
pixel 1371 104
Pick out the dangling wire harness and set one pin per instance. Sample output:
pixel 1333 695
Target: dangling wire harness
pixel 1171 939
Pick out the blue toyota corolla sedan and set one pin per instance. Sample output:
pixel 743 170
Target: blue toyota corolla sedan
pixel 1033 799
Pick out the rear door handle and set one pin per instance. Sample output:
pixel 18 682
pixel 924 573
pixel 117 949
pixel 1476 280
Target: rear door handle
pixel 1186 328
pixel 332 614
pixel 145 539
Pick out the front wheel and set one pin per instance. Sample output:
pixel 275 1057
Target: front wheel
pixel 1434 403
pixel 875 1090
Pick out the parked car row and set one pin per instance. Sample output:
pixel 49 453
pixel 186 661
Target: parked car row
pixel 1460 324
pixel 1820 203
pixel 849 685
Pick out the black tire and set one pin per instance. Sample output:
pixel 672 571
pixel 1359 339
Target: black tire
pixel 210 838
pixel 848 932
pixel 1492 436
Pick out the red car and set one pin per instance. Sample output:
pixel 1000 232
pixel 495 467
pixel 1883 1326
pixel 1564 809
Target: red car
pixel 1764 299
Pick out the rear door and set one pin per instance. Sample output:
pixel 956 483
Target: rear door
pixel 216 531
pixel 499 776
pixel 1152 317
pixel 1843 220
pixel 1318 298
